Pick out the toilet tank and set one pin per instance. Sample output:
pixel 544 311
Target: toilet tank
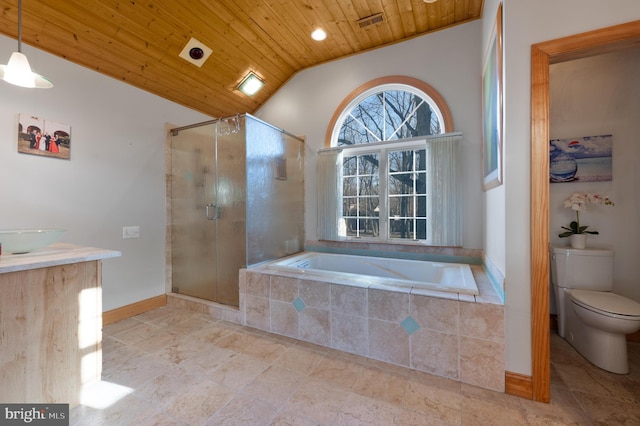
pixel 585 269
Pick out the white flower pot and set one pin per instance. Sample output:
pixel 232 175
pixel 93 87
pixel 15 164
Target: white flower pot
pixel 578 241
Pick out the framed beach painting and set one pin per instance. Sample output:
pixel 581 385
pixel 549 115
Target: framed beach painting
pixel 492 112
pixel 581 159
pixel 47 138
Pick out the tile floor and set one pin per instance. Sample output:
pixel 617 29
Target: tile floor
pixel 176 367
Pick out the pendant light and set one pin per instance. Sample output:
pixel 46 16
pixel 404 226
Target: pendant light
pixel 18 71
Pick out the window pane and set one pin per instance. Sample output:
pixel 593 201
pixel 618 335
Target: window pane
pixel 407 207
pixel 408 229
pixel 349 166
pixel 421 206
pixel 400 161
pixel 421 183
pixel 352 227
pixel 400 183
pixel 394 207
pixel 401 109
pixel 368 185
pixel 368 206
pixel 401 207
pixel 370 114
pixel 421 159
pixel 369 164
pixel 405 161
pixel 369 228
pixel 401 228
pixel 396 160
pixel 349 186
pixel 354 132
pixel 421 229
pixel 350 206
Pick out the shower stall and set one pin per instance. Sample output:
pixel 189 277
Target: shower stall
pixel 236 199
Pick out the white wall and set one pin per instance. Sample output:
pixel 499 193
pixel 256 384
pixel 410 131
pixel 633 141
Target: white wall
pixel 447 60
pixel 527 23
pixel 596 96
pixel 494 244
pixel 494 224
pixel 115 177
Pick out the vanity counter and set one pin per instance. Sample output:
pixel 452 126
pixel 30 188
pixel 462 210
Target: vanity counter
pixel 53 255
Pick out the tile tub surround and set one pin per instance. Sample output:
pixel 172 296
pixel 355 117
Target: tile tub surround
pixel 460 337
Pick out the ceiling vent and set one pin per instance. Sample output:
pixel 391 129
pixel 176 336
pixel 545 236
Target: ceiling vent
pixel 371 20
pixel 195 52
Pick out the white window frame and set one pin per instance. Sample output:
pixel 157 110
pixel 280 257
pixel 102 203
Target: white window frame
pixel 382 149
pixel 346 112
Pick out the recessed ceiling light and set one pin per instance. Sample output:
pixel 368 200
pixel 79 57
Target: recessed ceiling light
pixel 250 84
pixel 430 1
pixel 319 34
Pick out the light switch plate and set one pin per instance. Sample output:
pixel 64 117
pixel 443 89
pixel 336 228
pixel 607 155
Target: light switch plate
pixel 130 232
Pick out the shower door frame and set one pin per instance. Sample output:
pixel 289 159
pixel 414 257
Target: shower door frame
pixel 295 244
pixel 172 131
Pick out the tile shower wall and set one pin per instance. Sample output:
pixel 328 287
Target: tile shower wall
pixel 459 338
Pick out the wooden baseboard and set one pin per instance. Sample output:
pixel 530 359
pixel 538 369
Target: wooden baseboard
pixel 518 385
pixel 127 311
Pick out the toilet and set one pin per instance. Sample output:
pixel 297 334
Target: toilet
pixel 592 318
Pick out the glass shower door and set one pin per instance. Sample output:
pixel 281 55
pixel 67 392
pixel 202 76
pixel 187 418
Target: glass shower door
pixel 194 212
pixel 236 199
pixel 231 190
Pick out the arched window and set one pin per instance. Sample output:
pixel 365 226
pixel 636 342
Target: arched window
pixel 389 108
pixel 378 176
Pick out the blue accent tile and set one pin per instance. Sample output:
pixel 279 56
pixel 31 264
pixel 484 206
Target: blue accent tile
pixel 298 304
pixel 410 325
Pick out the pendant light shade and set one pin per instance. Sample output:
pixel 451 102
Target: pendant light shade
pixel 17 71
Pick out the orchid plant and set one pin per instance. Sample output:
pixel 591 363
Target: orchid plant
pixel 578 202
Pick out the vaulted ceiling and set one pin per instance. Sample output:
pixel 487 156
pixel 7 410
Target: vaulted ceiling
pixel 139 41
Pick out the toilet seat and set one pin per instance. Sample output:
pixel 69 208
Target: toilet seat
pixel 606 303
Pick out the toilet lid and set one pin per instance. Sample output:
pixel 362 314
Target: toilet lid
pixel 607 302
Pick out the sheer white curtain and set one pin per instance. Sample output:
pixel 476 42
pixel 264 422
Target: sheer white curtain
pixel 329 202
pixel 444 192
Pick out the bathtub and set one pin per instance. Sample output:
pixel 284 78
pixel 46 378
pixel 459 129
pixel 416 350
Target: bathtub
pixel 398 273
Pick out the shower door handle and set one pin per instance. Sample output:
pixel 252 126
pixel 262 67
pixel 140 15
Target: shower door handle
pixel 208 212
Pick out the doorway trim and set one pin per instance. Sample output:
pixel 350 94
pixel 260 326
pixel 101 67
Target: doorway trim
pixel 592 43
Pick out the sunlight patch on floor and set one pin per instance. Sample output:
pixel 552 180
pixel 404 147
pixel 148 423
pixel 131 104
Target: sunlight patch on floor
pixel 103 394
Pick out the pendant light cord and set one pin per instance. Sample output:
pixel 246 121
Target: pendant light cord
pixel 20 26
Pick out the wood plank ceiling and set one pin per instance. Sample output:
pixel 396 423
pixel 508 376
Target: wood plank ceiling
pixel 138 41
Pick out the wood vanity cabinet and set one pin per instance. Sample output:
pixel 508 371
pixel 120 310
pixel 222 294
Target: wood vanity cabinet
pixel 50 325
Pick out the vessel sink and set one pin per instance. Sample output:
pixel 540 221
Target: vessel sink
pixel 17 241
